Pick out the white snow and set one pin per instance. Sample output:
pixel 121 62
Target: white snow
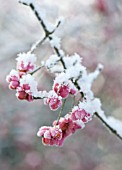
pixel 72 86
pixel 52 94
pixel 55 42
pixel 86 81
pixel 91 106
pixel 29 79
pixel 12 73
pixel 53 59
pixel 26 58
pixel 56 69
pixel 112 122
pixel 72 60
pixel 41 94
pixel 92 76
pixel 61 78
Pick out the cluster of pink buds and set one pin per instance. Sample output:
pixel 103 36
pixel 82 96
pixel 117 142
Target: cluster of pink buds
pixel 63 90
pixel 68 124
pixel 26 62
pixel 71 79
pixel 53 100
pixel 13 79
pixel 20 79
pixel 59 92
pixel 61 129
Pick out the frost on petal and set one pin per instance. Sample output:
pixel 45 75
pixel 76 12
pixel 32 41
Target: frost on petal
pixel 26 62
pixel 11 74
pixel 55 103
pixel 29 81
pixel 13 79
pixel 72 89
pixel 61 90
pixel 50 135
pixel 53 100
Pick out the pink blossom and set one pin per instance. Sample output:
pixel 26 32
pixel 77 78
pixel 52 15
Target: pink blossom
pixel 72 91
pixel 50 135
pixel 81 114
pixel 13 79
pixel 54 103
pixel 13 84
pixel 23 95
pixel 61 90
pixel 68 126
pixel 25 68
pixel 26 62
pixel 21 73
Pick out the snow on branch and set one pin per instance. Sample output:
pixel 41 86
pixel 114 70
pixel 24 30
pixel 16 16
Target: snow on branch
pixel 71 78
pixel 114 125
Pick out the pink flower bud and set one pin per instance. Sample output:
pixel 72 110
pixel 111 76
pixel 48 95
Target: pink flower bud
pixel 68 127
pixel 61 90
pixel 81 114
pixel 13 79
pixel 72 91
pixel 13 84
pixel 54 103
pixel 21 73
pixel 29 98
pixel 25 68
pixel 21 95
pixel 26 62
pixel 50 135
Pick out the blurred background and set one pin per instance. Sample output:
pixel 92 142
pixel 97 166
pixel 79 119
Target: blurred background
pixel 92 28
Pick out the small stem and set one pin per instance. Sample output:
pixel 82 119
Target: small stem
pixel 34 46
pixel 39 98
pixel 108 127
pixel 59 115
pixel 36 69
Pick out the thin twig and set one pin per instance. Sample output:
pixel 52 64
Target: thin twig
pixel 36 69
pixel 107 126
pixel 39 42
pixel 59 115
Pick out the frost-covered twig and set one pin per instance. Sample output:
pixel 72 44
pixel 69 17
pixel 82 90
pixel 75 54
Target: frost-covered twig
pixel 35 45
pixel 72 79
pixel 113 125
pixel 48 34
pixel 61 110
